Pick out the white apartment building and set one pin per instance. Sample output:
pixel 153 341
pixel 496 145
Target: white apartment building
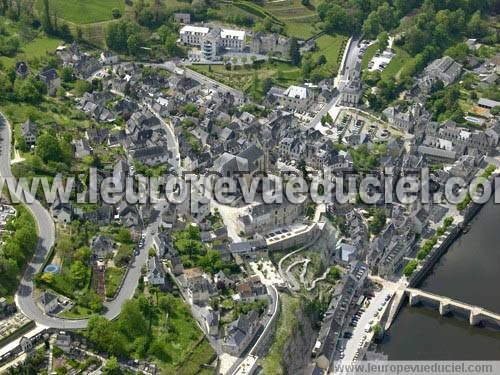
pixel 193 35
pixel 233 40
pixel 211 41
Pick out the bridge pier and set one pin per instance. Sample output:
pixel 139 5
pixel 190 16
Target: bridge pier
pixel 414 299
pixel 474 317
pixel 444 306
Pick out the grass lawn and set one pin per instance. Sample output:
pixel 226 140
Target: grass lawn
pixel 370 52
pixel 301 30
pixel 85 11
pixel 332 47
pixel 76 312
pixel 271 363
pixel 396 63
pixel 242 78
pixel 114 277
pixel 37 48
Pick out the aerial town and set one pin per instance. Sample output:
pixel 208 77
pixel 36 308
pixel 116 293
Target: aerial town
pixel 259 94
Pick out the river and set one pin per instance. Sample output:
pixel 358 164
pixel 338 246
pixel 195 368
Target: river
pixel 470 272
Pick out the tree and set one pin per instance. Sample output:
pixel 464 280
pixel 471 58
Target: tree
pixel 123 236
pixel 66 74
pixel 334 274
pixel 372 25
pixel 83 254
pixel 171 45
pixel 476 27
pixel 321 60
pixel 132 320
pixel 307 67
pixel 27 238
pixel 458 52
pixel 166 303
pixel 105 336
pixel 21 144
pixel 8 275
pixel 339 19
pixel 378 221
pixel 78 274
pixel 79 34
pixel 116 13
pixel 387 16
pixel 117 34
pixel 46 19
pixel 133 44
pixel 294 52
pixel 65 33
pixel 410 267
pixel 495 110
pixel 82 86
pixel 48 148
pixel 267 84
pixel 382 41
pixel 377 330
pixel 112 367
pixel 5 86
pixel 268 24
pixel 27 91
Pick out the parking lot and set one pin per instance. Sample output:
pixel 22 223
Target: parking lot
pixel 359 330
pixel 381 59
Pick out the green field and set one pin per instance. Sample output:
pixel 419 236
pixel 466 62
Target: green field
pixel 301 30
pixel 332 47
pixel 85 11
pixel 37 48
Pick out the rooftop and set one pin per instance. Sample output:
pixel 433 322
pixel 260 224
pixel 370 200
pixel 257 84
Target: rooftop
pixel 232 34
pixel 194 29
pixel 297 92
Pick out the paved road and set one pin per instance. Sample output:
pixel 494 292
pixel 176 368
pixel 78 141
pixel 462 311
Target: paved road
pixel 25 299
pixel 343 73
